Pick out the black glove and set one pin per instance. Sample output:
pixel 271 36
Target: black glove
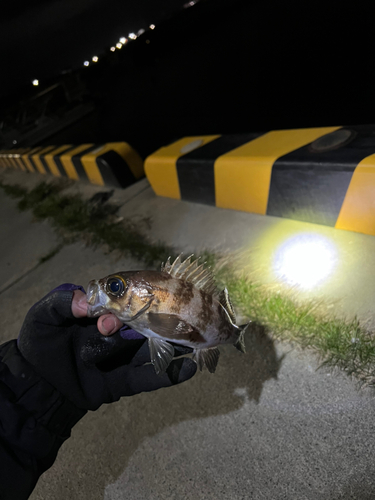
pixel 88 368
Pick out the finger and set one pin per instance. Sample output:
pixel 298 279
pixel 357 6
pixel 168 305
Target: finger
pixel 54 309
pixel 144 378
pixel 142 356
pixel 108 352
pixel 180 350
pixel 108 324
pixel 79 304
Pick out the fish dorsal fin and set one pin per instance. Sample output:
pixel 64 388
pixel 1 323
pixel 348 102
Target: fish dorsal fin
pixel 178 266
pixel 227 304
pixel 167 266
pixel 193 272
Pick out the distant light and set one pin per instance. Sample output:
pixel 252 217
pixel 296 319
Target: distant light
pixel 95 59
pixel 14 141
pixel 113 49
pixel 152 26
pixel 140 32
pixel 190 4
pixel 305 260
pixel 35 83
pixel 132 36
pixel 119 45
pixel 86 63
pixel 147 41
pixel 123 40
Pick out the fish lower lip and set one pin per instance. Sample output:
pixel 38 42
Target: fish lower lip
pixel 92 293
pixel 94 308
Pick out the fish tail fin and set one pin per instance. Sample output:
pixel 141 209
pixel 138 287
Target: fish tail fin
pixel 240 342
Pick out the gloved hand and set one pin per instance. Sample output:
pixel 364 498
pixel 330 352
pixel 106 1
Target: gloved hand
pixel 88 368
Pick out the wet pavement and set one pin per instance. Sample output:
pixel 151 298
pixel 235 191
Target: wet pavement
pixel 266 425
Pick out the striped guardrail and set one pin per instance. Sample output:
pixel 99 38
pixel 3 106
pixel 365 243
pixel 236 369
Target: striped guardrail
pixel 113 164
pixel 320 175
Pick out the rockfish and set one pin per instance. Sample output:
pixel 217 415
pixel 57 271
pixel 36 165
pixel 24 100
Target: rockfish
pixel 178 304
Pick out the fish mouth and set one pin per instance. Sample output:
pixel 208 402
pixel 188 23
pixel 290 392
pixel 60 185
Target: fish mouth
pixel 95 299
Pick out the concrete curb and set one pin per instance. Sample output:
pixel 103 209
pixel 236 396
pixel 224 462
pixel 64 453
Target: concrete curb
pixel 113 164
pixel 320 175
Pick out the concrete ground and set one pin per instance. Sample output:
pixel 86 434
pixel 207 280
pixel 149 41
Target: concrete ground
pixel 266 425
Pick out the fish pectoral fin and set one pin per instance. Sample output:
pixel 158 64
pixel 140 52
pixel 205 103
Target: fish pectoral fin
pixel 170 326
pixel 208 357
pixel 161 354
pixel 143 310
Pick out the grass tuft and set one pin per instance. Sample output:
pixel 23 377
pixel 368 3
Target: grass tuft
pixel 50 254
pixel 14 191
pixel 75 218
pixel 342 344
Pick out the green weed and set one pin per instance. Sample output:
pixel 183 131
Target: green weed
pixel 75 218
pixel 346 345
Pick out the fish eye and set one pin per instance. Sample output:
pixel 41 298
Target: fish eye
pixel 116 286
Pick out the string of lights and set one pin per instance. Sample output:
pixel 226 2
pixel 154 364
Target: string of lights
pixel 123 41
pixel 118 46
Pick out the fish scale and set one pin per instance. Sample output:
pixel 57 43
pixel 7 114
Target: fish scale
pixel 180 304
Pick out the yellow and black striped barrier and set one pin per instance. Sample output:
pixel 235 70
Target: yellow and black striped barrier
pixel 113 164
pixel 319 175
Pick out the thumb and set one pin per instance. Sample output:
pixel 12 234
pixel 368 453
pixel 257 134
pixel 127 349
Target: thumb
pixel 144 378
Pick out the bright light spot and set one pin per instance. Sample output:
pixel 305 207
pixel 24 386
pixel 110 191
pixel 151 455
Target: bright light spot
pixel 95 59
pixel 305 260
pixel 86 63
pixel 123 40
pixel 152 26
pixel 35 82
pixel 113 49
pixel 132 36
pixel 119 45
pixel 14 141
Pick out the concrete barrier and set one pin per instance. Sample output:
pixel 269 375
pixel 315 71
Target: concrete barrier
pixel 113 164
pixel 320 175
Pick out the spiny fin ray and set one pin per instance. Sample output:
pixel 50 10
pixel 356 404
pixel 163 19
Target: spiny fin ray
pixel 167 266
pixel 192 272
pixel 227 304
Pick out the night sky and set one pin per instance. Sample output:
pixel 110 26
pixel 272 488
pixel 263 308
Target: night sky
pixel 39 38
pixel 220 67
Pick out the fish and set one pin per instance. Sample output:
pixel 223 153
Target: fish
pixel 181 303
